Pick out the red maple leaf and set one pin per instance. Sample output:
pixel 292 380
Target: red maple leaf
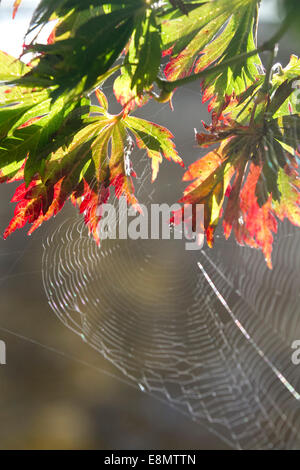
pixel 16 7
pixel 237 175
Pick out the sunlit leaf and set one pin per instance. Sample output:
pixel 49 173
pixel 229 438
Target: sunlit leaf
pixel 16 7
pixel 156 140
pixel 96 159
pixel 200 40
pixel 255 168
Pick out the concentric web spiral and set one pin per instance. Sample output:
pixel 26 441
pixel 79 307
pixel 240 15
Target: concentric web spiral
pixel 208 331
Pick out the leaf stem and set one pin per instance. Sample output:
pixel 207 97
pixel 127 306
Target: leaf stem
pixel 268 75
pixel 269 45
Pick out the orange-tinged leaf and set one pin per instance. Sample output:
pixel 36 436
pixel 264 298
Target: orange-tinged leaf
pixel 16 7
pixel 97 158
pixel 90 205
pixel 289 187
pixel 252 206
pixel 53 209
pixel 261 153
pixel 101 99
pixel 233 213
pixel 202 168
pixel 126 95
pixel 16 175
pixel 155 139
pixel 212 33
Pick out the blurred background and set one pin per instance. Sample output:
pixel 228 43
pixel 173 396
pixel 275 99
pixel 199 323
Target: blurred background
pixel 55 391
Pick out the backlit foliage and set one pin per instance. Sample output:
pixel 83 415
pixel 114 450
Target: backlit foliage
pixel 61 147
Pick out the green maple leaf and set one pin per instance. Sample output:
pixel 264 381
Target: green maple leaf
pixel 141 64
pixel 201 39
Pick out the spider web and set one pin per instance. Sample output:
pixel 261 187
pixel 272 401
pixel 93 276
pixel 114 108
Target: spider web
pixel 208 331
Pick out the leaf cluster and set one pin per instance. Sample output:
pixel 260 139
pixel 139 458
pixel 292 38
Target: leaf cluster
pixel 62 147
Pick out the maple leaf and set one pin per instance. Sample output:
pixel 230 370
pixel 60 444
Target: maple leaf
pixel 27 128
pixel 253 225
pixel 252 101
pixel 95 160
pixel 141 65
pixel 254 169
pixel 62 147
pixel 289 187
pixel 211 175
pixel 35 204
pixel 115 170
pixel 90 204
pixel 125 94
pixel 179 4
pixel 200 39
pixel 16 7
pixel 156 140
pixel 74 61
pixel 11 68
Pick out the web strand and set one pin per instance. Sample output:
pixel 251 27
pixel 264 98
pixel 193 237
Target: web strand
pixel 205 341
